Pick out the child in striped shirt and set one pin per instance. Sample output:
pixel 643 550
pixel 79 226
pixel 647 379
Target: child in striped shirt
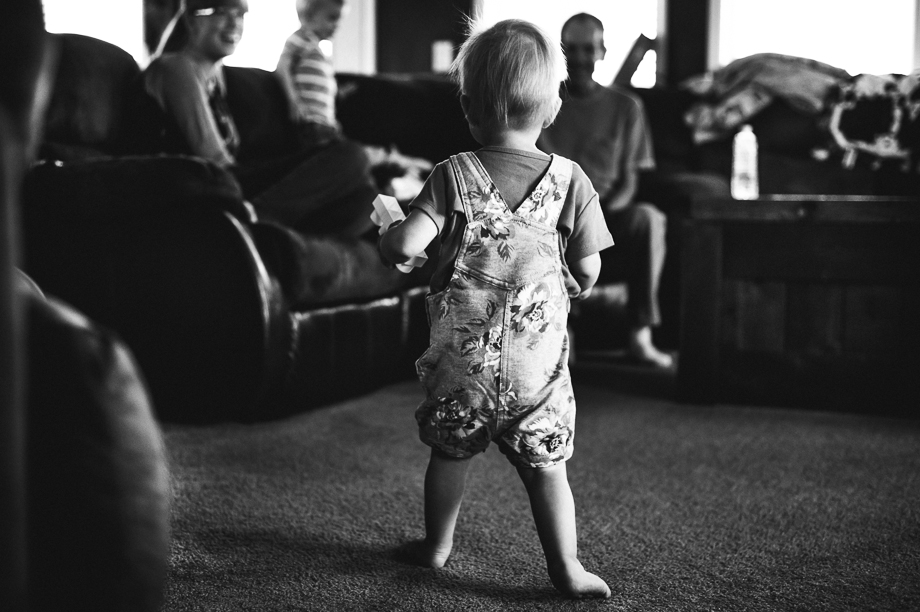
pixel 306 72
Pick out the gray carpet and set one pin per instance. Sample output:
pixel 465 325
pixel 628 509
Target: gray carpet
pixel 680 508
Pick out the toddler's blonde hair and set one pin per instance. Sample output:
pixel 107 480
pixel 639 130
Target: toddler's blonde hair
pixel 511 73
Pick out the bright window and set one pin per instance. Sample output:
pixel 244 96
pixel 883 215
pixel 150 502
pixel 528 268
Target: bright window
pixel 268 24
pixel 115 21
pixel 874 37
pixel 120 22
pixel 624 21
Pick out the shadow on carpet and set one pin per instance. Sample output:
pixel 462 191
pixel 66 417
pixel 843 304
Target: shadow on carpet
pixel 680 507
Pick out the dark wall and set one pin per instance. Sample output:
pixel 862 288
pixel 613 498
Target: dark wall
pixel 406 29
pixel 157 14
pixel 687 23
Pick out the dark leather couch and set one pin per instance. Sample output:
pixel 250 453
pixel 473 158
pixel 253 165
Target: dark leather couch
pixel 159 249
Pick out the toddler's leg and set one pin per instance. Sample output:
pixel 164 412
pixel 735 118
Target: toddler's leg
pixel 554 514
pixel 445 481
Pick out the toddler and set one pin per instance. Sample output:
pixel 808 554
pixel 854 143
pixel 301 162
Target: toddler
pixel 306 73
pixel 308 79
pixel 520 232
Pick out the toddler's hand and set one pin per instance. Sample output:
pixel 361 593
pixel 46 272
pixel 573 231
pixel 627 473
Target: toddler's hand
pixel 584 293
pixel 386 263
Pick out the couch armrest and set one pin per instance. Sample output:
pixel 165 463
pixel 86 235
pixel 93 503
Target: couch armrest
pixel 98 486
pixel 187 291
pixel 132 187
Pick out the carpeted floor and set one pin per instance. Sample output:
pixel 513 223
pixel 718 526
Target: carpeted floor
pixel 680 508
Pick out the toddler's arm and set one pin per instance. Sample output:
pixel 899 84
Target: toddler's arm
pixel 402 241
pixel 585 271
pixel 283 72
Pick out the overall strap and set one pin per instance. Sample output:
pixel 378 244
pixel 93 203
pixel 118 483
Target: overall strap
pixel 544 205
pixel 475 188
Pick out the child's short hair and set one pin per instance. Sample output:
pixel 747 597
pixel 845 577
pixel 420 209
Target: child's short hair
pixel 511 74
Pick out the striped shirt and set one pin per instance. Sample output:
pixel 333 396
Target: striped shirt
pixel 313 77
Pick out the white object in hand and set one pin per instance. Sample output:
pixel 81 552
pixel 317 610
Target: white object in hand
pixel 386 212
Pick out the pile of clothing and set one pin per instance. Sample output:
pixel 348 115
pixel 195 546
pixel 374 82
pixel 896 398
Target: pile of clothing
pixel 873 118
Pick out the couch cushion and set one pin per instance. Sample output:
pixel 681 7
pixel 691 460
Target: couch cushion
pixel 260 112
pixel 419 114
pixel 92 83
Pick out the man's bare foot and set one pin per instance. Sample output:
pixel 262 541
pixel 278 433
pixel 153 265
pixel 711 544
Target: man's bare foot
pixel 572 580
pixel 418 552
pixel 641 347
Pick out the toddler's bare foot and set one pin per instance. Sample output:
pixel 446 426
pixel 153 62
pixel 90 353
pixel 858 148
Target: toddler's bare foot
pixel 418 552
pixel 572 580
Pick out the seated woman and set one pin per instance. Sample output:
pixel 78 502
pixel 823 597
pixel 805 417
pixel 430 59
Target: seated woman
pixel 326 189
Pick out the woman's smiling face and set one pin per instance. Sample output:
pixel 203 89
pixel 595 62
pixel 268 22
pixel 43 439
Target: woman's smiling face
pixel 216 32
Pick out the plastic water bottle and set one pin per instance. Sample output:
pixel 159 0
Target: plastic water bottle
pixel 744 165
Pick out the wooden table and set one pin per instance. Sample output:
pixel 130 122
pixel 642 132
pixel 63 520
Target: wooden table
pixel 802 301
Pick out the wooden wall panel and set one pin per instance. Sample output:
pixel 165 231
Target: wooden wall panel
pixel 879 254
pixel 701 284
pixel 814 321
pixel 761 315
pixel 872 319
pixel 817 309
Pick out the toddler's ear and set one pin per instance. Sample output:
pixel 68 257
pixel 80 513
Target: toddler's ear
pixel 557 103
pixel 465 105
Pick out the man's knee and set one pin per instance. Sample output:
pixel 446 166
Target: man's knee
pixel 640 219
pixel 650 217
pixel 346 153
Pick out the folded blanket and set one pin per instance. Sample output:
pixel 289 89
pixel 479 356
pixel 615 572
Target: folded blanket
pixel 735 93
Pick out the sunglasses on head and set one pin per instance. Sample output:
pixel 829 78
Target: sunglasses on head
pixel 220 11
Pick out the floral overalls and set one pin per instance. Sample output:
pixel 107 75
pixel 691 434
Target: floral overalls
pixel 497 365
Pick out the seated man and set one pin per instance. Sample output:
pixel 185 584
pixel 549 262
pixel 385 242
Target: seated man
pixel 604 129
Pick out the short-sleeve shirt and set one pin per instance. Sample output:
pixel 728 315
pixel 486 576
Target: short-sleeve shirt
pixel 606 132
pixel 581 226
pixel 312 75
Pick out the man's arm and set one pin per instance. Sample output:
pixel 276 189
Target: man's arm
pixel 638 156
